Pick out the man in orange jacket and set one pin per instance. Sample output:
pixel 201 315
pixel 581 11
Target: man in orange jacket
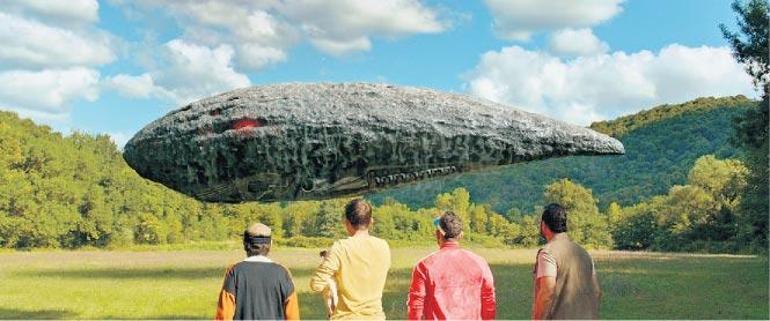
pixel 451 283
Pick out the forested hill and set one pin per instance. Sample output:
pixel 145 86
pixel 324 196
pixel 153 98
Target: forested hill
pixel 70 191
pixel 622 125
pixel 661 143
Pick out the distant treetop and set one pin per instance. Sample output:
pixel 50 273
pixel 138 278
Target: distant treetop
pixel 620 126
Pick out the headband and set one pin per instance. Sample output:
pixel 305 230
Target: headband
pixel 258 239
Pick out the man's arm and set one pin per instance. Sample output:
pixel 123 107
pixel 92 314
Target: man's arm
pixel 225 306
pixel 545 284
pixel 289 293
pixel 416 300
pixel 292 307
pixel 329 266
pixel 544 287
pixel 226 303
pixel 488 302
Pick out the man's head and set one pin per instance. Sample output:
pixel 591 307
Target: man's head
pixel 553 221
pixel 257 239
pixel 449 227
pixel 358 215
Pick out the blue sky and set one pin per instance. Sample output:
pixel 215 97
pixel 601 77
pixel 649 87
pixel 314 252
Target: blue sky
pixel 114 66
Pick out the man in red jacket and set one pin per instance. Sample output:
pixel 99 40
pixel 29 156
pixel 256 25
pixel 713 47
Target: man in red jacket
pixel 451 283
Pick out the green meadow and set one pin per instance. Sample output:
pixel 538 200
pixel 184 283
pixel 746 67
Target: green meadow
pixel 183 284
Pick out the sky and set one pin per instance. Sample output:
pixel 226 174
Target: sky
pixel 114 66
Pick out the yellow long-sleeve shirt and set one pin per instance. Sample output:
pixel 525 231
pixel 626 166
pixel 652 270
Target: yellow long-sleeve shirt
pixel 359 265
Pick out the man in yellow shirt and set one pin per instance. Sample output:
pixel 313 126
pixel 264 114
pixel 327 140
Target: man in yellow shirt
pixel 358 265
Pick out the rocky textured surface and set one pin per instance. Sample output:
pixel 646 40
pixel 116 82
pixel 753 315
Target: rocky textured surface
pixel 315 141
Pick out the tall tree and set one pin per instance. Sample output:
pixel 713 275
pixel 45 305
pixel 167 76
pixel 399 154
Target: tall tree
pixel 614 215
pixel 327 222
pixel 750 47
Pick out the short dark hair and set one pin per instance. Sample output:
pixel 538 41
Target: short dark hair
pixel 451 224
pixel 555 217
pixel 359 213
pixel 256 245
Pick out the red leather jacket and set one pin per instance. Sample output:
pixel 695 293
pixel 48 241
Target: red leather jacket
pixel 452 283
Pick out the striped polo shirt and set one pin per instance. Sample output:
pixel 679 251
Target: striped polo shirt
pixel 257 289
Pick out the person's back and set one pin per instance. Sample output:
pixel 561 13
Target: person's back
pixel 565 280
pixel 451 283
pixel 575 295
pixel 257 288
pixel 359 264
pixel 258 284
pixel 363 263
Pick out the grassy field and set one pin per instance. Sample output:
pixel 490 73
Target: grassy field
pixel 184 284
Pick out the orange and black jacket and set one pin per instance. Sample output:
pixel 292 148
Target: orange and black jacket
pixel 257 289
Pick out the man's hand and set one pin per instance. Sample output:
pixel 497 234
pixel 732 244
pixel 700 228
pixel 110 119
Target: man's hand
pixel 330 297
pixel 544 288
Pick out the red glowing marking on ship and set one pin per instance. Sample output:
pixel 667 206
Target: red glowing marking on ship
pixel 247 123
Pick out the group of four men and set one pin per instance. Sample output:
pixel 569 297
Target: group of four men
pixel 449 284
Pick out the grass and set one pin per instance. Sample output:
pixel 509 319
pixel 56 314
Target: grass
pixel 183 284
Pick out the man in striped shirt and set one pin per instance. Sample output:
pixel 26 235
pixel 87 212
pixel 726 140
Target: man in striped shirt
pixel 257 288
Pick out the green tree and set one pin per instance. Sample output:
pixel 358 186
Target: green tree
pixel 750 47
pixel 478 219
pixel 638 228
pixel 214 224
pixel 396 221
pixel 685 208
pixel 614 215
pixel 150 230
pixel 96 219
pixel 700 215
pixel 327 223
pixel 723 179
pixel 297 217
pixel 529 235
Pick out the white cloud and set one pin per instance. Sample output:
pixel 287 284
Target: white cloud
pixel 604 86
pixel 342 47
pixel 141 86
pixel 47 91
pixel 32 44
pixel 188 72
pixel 262 32
pixel 255 56
pixel 519 19
pixel 347 25
pixel 258 37
pixel 195 71
pixel 220 38
pixel 50 52
pixel 576 42
pixel 66 12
